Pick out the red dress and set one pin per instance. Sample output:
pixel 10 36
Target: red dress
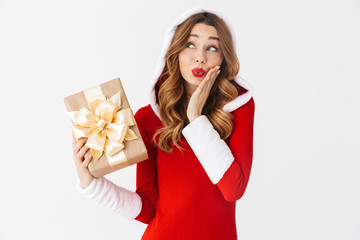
pixel 179 201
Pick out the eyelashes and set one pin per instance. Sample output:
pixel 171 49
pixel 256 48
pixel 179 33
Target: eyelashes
pixel 190 45
pixel 211 48
pixel 215 48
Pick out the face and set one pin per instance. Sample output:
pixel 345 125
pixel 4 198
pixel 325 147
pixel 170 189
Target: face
pixel 202 52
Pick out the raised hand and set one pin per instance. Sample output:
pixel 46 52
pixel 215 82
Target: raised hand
pixel 198 98
pixel 82 161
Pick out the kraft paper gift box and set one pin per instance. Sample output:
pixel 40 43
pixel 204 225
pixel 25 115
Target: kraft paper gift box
pixel 103 114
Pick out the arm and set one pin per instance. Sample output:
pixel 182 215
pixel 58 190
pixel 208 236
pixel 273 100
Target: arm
pixel 106 193
pixel 146 173
pixel 227 165
pixel 234 182
pixel 116 198
pixel 139 205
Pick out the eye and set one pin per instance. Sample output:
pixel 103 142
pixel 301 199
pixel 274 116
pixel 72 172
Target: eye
pixel 213 49
pixel 190 45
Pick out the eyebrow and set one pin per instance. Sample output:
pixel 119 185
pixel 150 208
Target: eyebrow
pixel 213 38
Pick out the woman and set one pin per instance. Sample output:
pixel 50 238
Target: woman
pixel 198 131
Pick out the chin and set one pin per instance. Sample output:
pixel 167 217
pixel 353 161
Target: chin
pixel 198 81
pixel 192 83
pixel 195 82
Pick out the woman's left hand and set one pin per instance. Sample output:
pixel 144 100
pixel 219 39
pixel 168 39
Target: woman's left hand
pixel 198 98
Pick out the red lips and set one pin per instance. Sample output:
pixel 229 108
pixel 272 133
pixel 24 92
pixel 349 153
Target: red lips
pixel 198 72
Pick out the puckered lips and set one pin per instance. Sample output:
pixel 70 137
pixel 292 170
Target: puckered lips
pixel 198 72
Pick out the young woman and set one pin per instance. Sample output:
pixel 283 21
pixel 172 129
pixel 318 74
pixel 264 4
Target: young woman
pixel 198 131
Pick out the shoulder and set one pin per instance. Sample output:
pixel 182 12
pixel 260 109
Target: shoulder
pixel 144 112
pixel 247 108
pixel 243 122
pixel 147 119
pixel 242 100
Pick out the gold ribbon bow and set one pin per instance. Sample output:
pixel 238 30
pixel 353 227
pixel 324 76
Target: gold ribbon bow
pixel 105 125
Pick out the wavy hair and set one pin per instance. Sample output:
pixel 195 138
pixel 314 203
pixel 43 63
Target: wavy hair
pixel 170 88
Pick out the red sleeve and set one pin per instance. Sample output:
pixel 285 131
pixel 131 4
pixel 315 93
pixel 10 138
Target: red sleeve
pixel 234 182
pixel 146 173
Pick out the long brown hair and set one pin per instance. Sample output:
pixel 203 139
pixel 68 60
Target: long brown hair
pixel 170 88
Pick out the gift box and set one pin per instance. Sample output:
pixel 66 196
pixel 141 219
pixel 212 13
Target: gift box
pixel 103 115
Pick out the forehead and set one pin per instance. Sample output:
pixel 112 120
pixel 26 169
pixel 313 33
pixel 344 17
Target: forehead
pixel 202 29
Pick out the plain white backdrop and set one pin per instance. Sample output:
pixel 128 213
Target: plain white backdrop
pixel 302 58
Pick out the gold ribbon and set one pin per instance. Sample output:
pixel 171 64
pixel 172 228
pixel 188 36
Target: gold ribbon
pixel 105 125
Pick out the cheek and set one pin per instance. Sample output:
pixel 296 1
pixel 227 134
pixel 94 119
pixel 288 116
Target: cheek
pixel 185 57
pixel 215 60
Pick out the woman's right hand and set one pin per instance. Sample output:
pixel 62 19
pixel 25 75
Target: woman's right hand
pixel 82 161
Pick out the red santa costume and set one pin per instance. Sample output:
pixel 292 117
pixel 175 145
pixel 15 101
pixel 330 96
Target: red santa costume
pixel 188 194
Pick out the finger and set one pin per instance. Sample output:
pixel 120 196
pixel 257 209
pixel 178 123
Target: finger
pixel 215 72
pixel 207 77
pixel 82 152
pixel 79 157
pixel 87 160
pixel 79 145
pixel 208 82
pixel 212 80
pixel 209 74
pixel 201 89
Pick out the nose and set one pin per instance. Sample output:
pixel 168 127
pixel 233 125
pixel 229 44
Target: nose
pixel 200 57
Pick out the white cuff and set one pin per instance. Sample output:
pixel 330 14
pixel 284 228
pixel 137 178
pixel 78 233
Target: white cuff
pixel 213 153
pixel 118 199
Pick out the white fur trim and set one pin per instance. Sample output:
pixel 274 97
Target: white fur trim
pixel 231 106
pixel 118 199
pixel 242 99
pixel 213 153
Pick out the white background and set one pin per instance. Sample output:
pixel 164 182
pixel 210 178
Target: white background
pixel 302 58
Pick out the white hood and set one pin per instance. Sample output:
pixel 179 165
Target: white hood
pixel 229 107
